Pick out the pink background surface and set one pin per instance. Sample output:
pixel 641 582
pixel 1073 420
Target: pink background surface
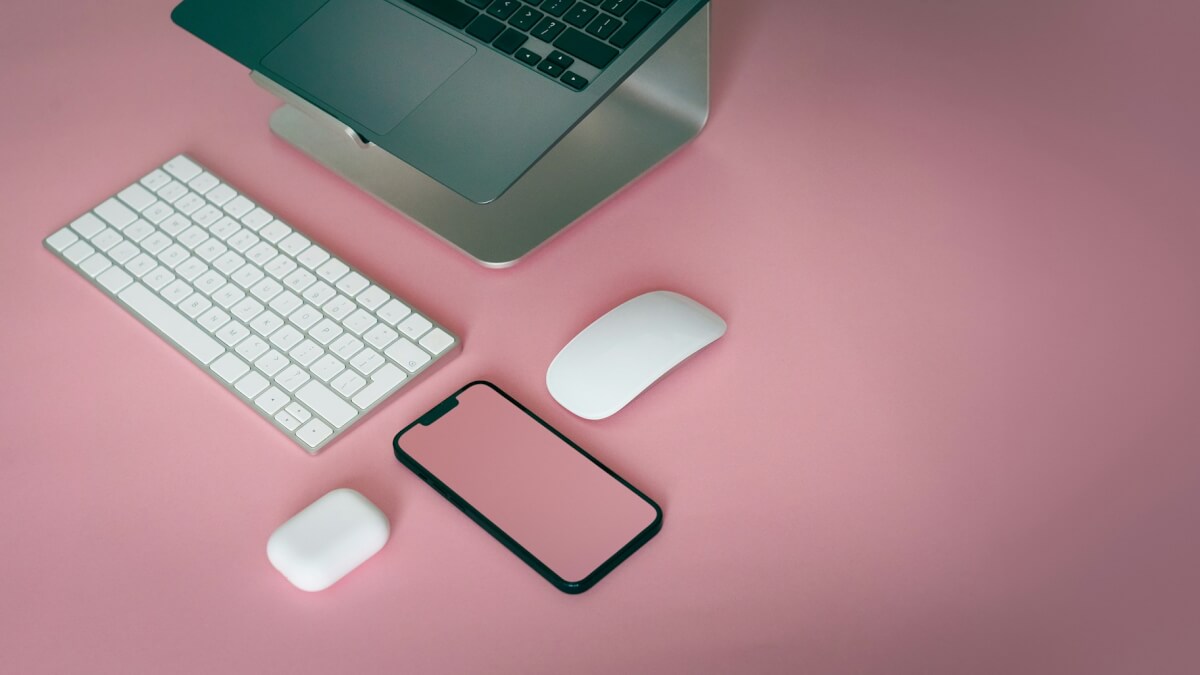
pixel 952 429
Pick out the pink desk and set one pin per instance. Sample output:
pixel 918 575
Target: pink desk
pixel 953 427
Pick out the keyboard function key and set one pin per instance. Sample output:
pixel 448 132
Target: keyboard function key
pixel 312 257
pixel 414 326
pixel 257 218
pixel 352 284
pixel 393 311
pixel 294 243
pixel 117 214
pixel 87 225
pixel 220 195
pixel 155 179
pixel 436 341
pixel 137 197
pixel 203 182
pixel 182 168
pixel 238 206
pixel 332 270
pixel 485 28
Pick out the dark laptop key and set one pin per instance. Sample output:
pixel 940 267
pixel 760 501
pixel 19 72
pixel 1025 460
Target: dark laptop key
pixel 502 9
pixel 510 41
pixel 528 57
pixel 581 15
pixel 556 7
pixel 533 3
pixel 635 22
pixel 526 18
pixel 451 11
pixel 561 59
pixel 617 7
pixel 663 3
pixel 586 47
pixel 603 26
pixel 479 3
pixel 485 28
pixel 574 81
pixel 551 69
pixel 548 29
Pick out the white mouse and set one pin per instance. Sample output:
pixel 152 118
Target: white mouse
pixel 627 350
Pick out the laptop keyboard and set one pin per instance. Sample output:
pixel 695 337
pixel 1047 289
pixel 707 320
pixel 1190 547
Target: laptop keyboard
pixel 552 36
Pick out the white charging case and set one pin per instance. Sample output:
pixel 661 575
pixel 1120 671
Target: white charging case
pixel 328 539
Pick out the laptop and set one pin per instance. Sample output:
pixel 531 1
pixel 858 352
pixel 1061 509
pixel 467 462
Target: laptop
pixel 472 93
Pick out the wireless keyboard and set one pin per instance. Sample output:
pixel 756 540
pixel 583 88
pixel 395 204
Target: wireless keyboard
pixel 305 340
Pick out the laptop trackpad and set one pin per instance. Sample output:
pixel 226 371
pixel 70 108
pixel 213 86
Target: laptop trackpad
pixel 368 59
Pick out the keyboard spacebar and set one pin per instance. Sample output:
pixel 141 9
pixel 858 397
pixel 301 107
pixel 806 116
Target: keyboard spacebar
pixel 452 12
pixel 171 323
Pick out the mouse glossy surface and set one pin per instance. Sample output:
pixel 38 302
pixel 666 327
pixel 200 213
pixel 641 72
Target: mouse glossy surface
pixel 627 350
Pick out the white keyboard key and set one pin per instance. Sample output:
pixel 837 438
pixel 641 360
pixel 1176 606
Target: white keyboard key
pixel 293 244
pixel 178 328
pixel 382 381
pixel 233 333
pixel 94 265
pixel 138 231
pixel 137 197
pixel 220 194
pixel 325 331
pixel 313 433
pixel 266 289
pixel 78 251
pixel 247 309
pixel 208 215
pixel 117 214
pixel 312 257
pixel 228 295
pixel 346 346
pixel 155 179
pixel 257 218
pixel 156 242
pixel 352 284
pixel 62 239
pixel 192 237
pixel 306 352
pixel 266 323
pixel 252 347
pixel 262 252
pixel 367 361
pixel 210 250
pixel 224 228
pixel 114 279
pixel 246 276
pixel 286 419
pixel 285 303
pixel 173 255
pixel 195 305
pixel 414 326
pixel 340 307
pixel 188 204
pixel 228 262
pixel 243 240
pixel 318 293
pixel 252 384
pixel 327 367
pixel 325 403
pixel 298 411
pixel 238 207
pixel 229 367
pixel 209 282
pixel 157 278
pixel 140 265
pixel 280 266
pixel 182 168
pixel 176 291
pixel 305 317
pixel 172 191
pixel 286 337
pixel 380 336
pixel 123 251
pixel 372 298
pixel 174 224
pixel 408 355
pixel 299 280
pixel 274 231
pixel 106 239
pixel 212 320
pixel 272 362
pixel 158 212
pixel 292 377
pixel 87 225
pixel 191 268
pixel 332 270
pixel 359 321
pixel 347 383
pixel 203 182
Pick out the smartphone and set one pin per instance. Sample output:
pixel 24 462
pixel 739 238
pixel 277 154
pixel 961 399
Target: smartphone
pixel 556 507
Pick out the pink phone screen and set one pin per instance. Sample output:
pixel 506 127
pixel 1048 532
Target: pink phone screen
pixel 555 502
